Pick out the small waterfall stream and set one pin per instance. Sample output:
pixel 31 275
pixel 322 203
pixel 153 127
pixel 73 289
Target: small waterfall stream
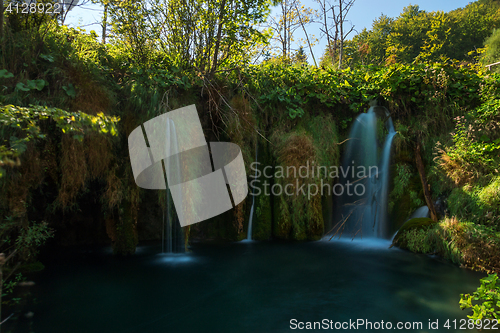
pixel 172 233
pixel 383 194
pixel 249 232
pixel 420 212
pixel 362 206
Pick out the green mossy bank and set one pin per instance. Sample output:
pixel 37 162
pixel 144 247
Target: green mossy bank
pixel 465 243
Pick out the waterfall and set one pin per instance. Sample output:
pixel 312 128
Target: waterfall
pixel 384 181
pixel 172 233
pixel 364 179
pixel 420 212
pixel 249 232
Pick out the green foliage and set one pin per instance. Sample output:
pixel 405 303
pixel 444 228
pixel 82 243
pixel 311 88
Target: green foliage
pixel 401 180
pixel 485 301
pixel 492 52
pixel 22 125
pixel 416 240
pixel 298 216
pixel 8 288
pixel 474 154
pixel 65 62
pixel 413 235
pixel 425 36
pixel 70 90
pixel 300 56
pixel 31 85
pixel 463 203
pixel 472 245
pixel 5 74
pixel 475 149
pixel 31 238
pixel 489 196
pixel 480 203
pixel 23 242
pixel 193 34
pixel 411 89
pixel 147 88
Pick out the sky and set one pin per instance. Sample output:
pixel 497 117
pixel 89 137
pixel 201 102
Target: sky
pixel 361 15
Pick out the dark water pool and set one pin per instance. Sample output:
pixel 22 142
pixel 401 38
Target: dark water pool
pixel 245 287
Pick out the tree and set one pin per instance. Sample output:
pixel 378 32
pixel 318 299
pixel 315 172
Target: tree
pixel 292 16
pixel 300 55
pixel 377 38
pixel 1 19
pixel 105 22
pixel 192 33
pixel 367 47
pixel 436 38
pixel 407 35
pixel 334 26
pixel 470 27
pixel 428 36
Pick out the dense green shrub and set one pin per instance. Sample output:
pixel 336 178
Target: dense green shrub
pixel 472 245
pixel 485 301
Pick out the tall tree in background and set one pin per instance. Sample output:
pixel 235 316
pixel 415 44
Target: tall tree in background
pixel 437 37
pixel 132 28
pixel 407 35
pixel 470 26
pixel 104 23
pixel 192 33
pixel 1 19
pixel 292 16
pixel 334 26
pixel 427 36
pixel 211 34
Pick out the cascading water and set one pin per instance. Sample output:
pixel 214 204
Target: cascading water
pixel 362 204
pixel 249 232
pixel 172 233
pixel 383 194
pixel 420 212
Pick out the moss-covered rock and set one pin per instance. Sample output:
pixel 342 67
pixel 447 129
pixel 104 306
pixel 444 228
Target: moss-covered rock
pixel 306 145
pixel 125 230
pixel 416 227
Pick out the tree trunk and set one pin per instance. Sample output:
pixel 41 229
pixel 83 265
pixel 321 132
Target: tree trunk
pixel 1 19
pixel 425 185
pixel 285 27
pixel 341 48
pixel 104 23
pixel 219 36
pixel 307 35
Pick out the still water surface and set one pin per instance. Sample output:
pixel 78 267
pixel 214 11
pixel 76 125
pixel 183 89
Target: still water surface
pixel 245 287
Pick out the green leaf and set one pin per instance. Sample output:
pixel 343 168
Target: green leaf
pixel 70 90
pixel 5 74
pixel 21 86
pixel 36 84
pixel 48 57
pixel 18 145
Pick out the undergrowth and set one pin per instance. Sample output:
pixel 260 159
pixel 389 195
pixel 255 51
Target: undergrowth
pixel 474 246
